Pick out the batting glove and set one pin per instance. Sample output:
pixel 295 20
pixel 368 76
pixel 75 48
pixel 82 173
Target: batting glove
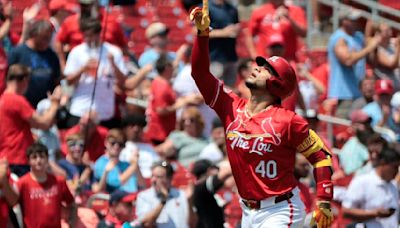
pixel 322 215
pixel 201 20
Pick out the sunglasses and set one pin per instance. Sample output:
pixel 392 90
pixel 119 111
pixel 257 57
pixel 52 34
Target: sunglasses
pixel 74 143
pixel 113 143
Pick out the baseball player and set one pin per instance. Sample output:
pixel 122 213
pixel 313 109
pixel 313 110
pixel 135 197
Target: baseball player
pixel 262 139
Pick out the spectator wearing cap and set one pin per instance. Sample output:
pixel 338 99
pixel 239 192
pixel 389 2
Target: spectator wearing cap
pixel 59 11
pixel 372 199
pixel 113 174
pixel 380 110
pixel 157 35
pixel 354 152
pixel 18 117
pixel 276 17
pixel 70 35
pixel 215 151
pixel 346 55
pixel 89 69
pixel 223 36
pixel 135 145
pixel 367 89
pixel 121 211
pixel 162 205
pixel 36 53
pixel 209 179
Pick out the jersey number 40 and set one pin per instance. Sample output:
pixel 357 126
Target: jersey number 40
pixel 267 169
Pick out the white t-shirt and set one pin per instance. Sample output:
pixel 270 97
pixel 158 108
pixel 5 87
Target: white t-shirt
pixel 370 192
pixel 104 99
pixel 147 156
pixel 184 85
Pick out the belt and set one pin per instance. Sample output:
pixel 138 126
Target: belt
pixel 256 204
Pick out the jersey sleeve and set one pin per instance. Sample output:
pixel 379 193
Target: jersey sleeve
pixel 298 131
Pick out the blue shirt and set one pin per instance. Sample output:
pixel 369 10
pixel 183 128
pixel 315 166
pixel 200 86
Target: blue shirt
pixel 45 71
pixel 113 182
pixel 150 56
pixel 223 49
pixel 374 111
pixel 344 80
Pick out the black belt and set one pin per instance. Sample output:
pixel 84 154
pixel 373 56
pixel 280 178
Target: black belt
pixel 256 204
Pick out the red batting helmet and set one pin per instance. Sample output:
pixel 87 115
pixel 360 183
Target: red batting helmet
pixel 284 80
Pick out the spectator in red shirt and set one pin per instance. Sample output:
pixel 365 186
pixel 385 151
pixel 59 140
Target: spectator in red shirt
pixel 276 17
pixel 8 196
pixel 163 103
pixel 94 136
pixel 41 194
pixel 70 35
pixel 18 117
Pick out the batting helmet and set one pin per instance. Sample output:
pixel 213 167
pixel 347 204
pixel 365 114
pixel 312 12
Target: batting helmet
pixel 284 81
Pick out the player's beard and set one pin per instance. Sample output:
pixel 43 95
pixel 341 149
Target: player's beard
pixel 252 85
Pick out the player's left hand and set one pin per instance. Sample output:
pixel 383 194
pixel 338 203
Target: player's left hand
pixel 201 19
pixel 322 215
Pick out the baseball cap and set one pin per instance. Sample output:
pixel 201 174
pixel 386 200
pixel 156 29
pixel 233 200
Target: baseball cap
pixel 201 166
pixel 156 28
pixel 274 39
pixel 122 196
pixel 359 116
pixel 384 86
pixel 56 5
pixel 349 13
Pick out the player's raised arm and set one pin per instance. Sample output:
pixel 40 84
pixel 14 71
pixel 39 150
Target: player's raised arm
pixel 205 81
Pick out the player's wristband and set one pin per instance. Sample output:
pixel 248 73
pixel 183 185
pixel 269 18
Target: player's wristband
pixel 325 190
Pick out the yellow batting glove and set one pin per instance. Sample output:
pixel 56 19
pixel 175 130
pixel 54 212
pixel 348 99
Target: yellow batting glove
pixel 201 20
pixel 322 215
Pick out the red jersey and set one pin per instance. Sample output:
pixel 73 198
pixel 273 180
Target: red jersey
pixel 71 34
pixel 15 130
pixel 162 95
pixel 261 148
pixel 41 202
pixel 95 146
pixel 263 23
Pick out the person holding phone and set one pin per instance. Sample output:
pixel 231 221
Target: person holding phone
pixel 372 198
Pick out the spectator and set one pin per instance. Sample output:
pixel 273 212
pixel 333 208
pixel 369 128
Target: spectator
pixel 78 175
pixel 163 104
pixel 6 16
pixel 372 199
pixel 375 144
pixel 111 173
pixel 276 17
pixel 394 120
pixel 354 152
pixel 18 117
pixel 8 196
pixel 59 11
pixel 41 194
pixel 226 28
pixel 94 135
pixel 88 71
pixel 387 56
pixel 367 88
pixel 346 55
pixel 302 170
pixel 162 205
pixel 244 71
pixel 135 145
pixel 209 179
pixel 379 110
pixel 215 151
pixel 70 35
pixel 121 211
pixel 184 86
pixel 36 53
pixel 186 143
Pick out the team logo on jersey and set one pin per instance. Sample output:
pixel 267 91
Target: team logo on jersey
pixel 253 142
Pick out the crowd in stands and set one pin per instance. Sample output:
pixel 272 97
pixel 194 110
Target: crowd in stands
pixel 102 125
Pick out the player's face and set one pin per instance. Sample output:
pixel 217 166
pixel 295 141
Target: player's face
pixel 258 78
